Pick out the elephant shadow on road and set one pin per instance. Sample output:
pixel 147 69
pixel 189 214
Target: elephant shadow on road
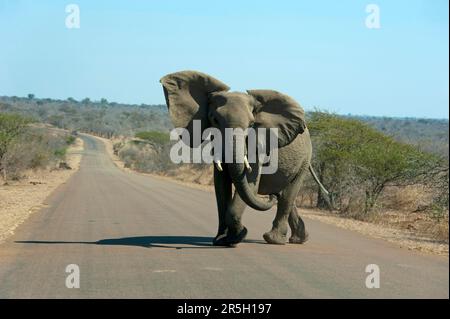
pixel 175 242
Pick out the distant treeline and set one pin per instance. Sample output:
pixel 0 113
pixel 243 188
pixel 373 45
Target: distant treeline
pixel 98 117
pixel 431 135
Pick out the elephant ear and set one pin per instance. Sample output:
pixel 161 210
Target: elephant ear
pixel 186 94
pixel 277 110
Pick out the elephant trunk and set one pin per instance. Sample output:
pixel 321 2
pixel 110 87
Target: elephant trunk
pixel 239 178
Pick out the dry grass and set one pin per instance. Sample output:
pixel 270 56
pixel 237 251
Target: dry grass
pixel 19 199
pixel 385 229
pixel 421 224
pixel 408 198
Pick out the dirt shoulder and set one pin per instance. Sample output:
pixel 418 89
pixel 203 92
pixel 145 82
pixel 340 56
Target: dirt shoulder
pixel 19 199
pixel 401 237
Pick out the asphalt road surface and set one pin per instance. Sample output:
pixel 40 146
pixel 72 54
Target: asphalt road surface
pixel 134 236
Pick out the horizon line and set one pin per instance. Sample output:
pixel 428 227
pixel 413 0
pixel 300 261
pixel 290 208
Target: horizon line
pixel 307 109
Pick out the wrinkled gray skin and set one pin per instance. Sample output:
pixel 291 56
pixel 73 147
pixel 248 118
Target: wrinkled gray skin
pixel 193 95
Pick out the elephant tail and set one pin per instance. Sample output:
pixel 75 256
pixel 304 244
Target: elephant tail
pixel 328 196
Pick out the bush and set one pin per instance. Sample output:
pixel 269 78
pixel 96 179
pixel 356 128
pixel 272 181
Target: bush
pixel 60 153
pixel 70 139
pixel 145 157
pixel 27 147
pixel 12 126
pixel 440 202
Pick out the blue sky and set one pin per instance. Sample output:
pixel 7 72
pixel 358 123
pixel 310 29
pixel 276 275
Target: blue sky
pixel 319 52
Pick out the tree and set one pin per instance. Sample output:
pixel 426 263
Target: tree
pixel 382 162
pixel 11 126
pixel 334 140
pixel 355 160
pixel 30 96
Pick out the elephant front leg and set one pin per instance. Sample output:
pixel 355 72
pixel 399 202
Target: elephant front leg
pixel 236 232
pixel 222 187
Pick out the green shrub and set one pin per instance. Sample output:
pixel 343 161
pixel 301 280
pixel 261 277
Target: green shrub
pixel 60 152
pixel 70 139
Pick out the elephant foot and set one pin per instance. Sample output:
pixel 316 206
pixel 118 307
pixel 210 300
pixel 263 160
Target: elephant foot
pixel 234 239
pixel 230 240
pixel 294 239
pixel 275 238
pixel 220 240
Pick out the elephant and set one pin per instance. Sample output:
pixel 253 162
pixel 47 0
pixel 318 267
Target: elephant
pixel 192 95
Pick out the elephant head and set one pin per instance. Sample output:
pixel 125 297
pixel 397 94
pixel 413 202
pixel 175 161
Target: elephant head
pixel 193 96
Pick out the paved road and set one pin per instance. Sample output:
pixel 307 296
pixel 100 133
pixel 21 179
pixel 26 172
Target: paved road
pixel 134 236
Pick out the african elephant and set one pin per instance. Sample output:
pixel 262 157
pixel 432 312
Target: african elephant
pixel 192 95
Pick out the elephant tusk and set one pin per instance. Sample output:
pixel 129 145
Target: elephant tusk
pixel 219 166
pixel 247 164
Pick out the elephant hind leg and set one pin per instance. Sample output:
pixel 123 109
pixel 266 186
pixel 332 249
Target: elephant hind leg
pixel 299 235
pixel 278 234
pixel 286 201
